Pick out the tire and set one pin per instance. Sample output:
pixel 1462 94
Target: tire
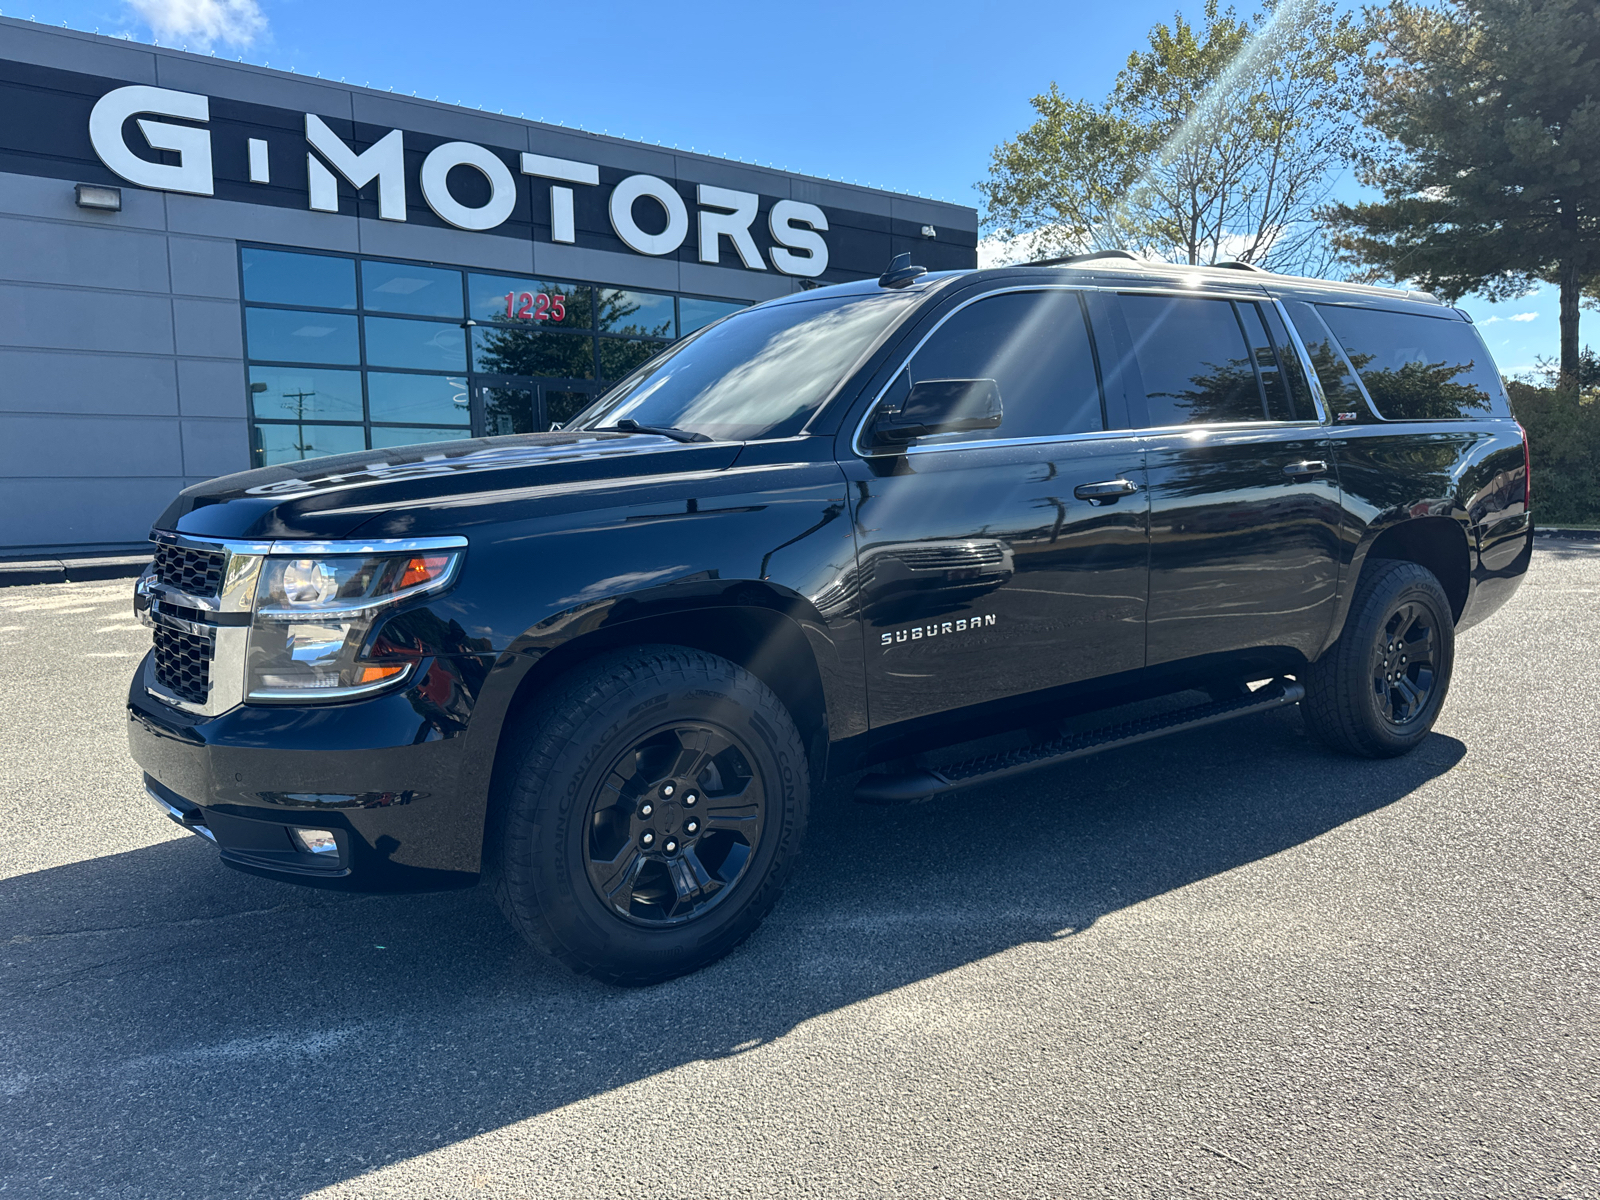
pixel 1370 700
pixel 671 779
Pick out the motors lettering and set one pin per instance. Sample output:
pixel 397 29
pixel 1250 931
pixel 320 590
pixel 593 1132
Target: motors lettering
pixel 722 214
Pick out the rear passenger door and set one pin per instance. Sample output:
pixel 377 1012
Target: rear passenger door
pixel 1244 494
pixel 986 566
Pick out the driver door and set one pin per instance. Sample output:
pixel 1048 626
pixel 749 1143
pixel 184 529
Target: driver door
pixel 999 561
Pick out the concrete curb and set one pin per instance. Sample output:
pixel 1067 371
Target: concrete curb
pixel 72 570
pixel 1576 535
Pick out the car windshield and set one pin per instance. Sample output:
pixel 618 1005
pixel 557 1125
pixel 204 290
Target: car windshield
pixel 760 373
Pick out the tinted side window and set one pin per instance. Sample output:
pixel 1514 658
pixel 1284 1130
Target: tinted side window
pixel 1199 366
pixel 1333 371
pixel 1035 346
pixel 1419 368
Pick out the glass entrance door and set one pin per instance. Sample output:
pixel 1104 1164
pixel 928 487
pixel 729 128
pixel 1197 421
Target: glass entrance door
pixel 504 404
pixel 563 401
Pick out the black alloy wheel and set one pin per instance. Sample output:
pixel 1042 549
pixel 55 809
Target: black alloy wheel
pixel 1378 690
pixel 646 813
pixel 673 827
pixel 1402 673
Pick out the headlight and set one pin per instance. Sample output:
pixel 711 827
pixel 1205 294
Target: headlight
pixel 313 614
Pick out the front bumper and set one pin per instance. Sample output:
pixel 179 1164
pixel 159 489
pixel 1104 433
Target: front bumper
pixel 398 787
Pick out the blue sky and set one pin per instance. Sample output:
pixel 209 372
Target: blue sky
pixel 908 97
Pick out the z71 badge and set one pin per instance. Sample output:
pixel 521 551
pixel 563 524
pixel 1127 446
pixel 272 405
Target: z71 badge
pixel 935 629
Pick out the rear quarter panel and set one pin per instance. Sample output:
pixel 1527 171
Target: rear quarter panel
pixel 1469 472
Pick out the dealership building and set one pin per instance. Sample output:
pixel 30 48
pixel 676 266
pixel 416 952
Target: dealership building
pixel 207 266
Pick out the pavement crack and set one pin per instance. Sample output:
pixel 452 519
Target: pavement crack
pixel 186 922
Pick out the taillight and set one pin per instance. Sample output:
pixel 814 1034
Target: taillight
pixel 1527 472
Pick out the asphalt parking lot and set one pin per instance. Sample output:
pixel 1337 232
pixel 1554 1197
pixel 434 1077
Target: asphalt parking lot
pixel 1226 964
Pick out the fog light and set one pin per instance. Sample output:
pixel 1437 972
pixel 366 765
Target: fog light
pixel 316 841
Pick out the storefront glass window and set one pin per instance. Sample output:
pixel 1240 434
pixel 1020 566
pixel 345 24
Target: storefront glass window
pixel 503 351
pixel 304 394
pixel 644 313
pixel 275 444
pixel 427 345
pixel 416 291
pixel 697 314
pixel 383 438
pixel 282 335
pixel 419 399
pixel 619 356
pixel 545 303
pixel 387 364
pixel 307 280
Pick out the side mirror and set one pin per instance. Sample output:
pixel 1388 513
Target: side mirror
pixel 939 406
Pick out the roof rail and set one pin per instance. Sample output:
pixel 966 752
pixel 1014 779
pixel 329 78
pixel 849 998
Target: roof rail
pixel 1078 258
pixel 1243 266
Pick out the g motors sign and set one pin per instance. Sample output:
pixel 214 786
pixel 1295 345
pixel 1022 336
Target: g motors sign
pixel 463 184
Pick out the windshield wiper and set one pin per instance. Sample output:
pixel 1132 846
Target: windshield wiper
pixel 629 425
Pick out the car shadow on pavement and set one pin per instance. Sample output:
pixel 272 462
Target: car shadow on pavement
pixel 173 1028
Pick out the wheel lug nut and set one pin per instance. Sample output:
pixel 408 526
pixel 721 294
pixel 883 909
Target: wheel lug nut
pixel 646 809
pixel 647 838
pixel 667 789
pixel 689 800
pixel 672 844
pixel 692 827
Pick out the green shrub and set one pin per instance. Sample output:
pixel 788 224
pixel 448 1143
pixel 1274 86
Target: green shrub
pixel 1564 442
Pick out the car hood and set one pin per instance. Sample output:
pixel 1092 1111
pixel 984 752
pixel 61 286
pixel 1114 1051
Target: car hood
pixel 337 496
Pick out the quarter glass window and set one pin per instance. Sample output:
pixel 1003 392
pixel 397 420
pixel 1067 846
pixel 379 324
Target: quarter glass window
pixel 1035 346
pixel 1419 368
pixel 1338 381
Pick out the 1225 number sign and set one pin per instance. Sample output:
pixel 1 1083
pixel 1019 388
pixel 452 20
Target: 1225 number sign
pixel 536 306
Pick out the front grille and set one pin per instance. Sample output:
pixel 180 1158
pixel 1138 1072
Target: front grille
pixel 183 664
pixel 195 572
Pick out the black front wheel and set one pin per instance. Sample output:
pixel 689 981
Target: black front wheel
pixel 1378 691
pixel 648 813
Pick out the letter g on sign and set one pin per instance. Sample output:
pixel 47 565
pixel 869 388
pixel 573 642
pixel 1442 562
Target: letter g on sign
pixel 192 146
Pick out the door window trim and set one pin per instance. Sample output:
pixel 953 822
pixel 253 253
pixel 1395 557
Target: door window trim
pixel 1315 385
pixel 855 438
pixel 1299 348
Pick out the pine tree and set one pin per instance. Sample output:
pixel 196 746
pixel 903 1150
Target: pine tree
pixel 1491 177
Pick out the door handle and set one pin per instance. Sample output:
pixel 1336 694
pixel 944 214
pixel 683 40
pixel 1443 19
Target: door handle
pixel 1105 493
pixel 1306 467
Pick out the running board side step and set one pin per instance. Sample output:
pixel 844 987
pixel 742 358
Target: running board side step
pixel 924 783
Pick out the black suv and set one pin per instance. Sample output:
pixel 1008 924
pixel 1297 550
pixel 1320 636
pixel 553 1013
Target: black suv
pixel 603 666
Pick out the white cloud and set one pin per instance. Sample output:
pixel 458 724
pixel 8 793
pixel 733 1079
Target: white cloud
pixel 203 23
pixel 1533 316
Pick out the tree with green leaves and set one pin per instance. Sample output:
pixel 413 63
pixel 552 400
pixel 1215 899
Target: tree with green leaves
pixel 1218 142
pixel 1491 172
